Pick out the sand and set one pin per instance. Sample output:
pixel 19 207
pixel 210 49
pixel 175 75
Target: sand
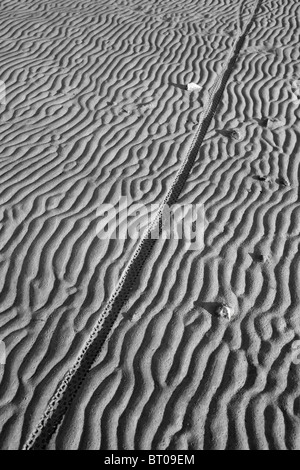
pixel 116 344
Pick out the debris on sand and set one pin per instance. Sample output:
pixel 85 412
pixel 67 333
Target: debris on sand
pixel 235 134
pixel 224 311
pixel 262 178
pixel 283 181
pixel 265 122
pixel 193 87
pixel 272 123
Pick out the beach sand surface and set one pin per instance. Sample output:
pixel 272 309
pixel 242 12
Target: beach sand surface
pixel 96 109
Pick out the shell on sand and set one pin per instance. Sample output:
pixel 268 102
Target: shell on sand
pixel 225 311
pixel 272 123
pixel 193 87
pixel 236 134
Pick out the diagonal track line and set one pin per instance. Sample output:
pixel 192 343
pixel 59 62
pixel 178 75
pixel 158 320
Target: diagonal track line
pixel 67 390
